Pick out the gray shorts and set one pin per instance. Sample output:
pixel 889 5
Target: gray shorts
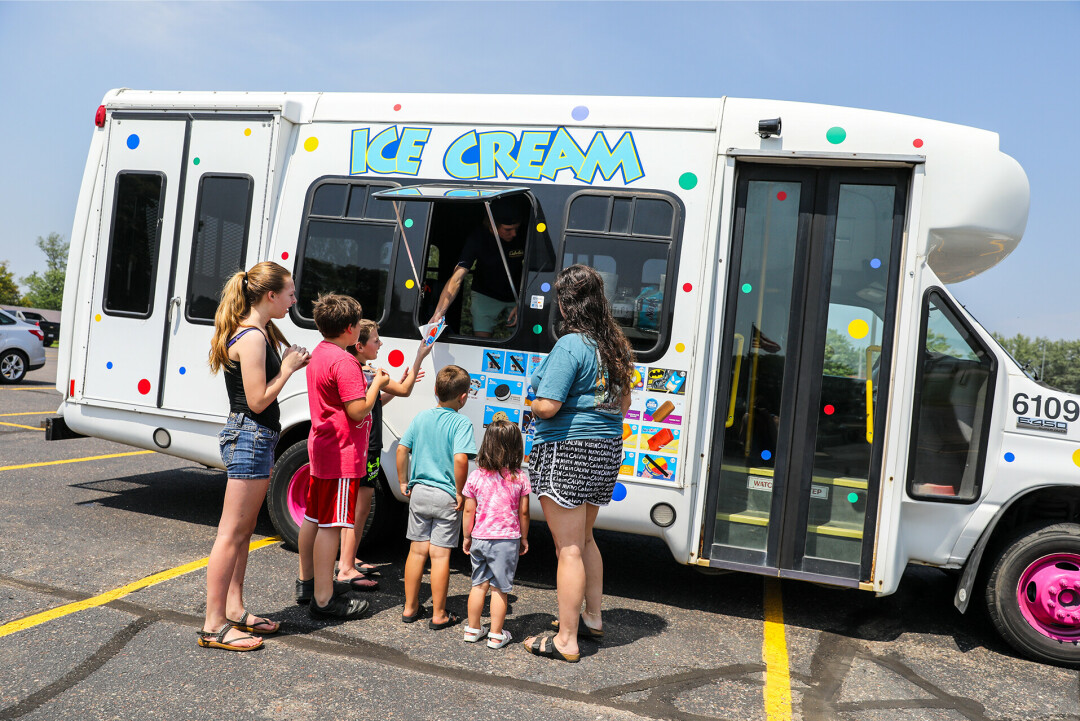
pixel 496 561
pixel 432 517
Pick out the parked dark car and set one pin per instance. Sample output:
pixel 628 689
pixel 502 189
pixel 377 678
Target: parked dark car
pixel 48 327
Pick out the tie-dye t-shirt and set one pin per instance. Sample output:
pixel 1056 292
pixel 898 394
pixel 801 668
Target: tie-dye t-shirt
pixel 498 498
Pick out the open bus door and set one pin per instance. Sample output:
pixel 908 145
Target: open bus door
pixel 806 347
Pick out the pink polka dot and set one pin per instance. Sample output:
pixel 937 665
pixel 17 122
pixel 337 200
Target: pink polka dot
pixel 144 386
pixel 396 358
pixel 285 255
pixel 917 142
pixel 829 410
pixel 397 107
pixel 781 195
pixel 687 287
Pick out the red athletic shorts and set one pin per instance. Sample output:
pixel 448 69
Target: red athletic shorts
pixel 331 501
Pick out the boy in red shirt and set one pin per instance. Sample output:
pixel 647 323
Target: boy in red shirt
pixel 340 401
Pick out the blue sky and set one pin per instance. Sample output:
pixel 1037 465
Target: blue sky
pixel 1006 67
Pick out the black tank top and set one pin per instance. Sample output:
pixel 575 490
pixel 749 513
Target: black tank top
pixel 234 385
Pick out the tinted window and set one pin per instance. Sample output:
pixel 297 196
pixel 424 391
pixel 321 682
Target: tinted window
pixel 133 245
pixel 220 241
pixel 6 319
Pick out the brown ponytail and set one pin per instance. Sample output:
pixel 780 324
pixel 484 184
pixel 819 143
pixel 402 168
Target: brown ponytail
pixel 241 292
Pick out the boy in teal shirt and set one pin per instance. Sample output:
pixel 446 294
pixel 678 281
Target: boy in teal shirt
pixel 440 443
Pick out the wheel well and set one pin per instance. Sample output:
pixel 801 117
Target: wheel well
pixel 1059 504
pixel 298 432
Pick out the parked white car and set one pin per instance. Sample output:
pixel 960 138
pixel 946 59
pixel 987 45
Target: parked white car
pixel 22 348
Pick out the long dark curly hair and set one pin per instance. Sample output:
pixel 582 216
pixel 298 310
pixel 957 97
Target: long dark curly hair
pixel 585 310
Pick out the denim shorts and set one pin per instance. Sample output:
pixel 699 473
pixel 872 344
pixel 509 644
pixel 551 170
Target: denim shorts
pixel 247 448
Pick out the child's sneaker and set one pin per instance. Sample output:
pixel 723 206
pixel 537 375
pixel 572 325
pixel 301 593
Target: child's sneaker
pixel 344 607
pixel 472 635
pixel 498 640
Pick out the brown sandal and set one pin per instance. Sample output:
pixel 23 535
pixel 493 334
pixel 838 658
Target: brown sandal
pixel 211 639
pixel 538 648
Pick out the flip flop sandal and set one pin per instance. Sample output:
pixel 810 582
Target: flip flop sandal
pixel 210 639
pixel 584 630
pixel 451 620
pixel 413 618
pixel 539 648
pixel 365 568
pixel 242 625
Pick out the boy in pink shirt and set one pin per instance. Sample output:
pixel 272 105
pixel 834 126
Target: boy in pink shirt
pixel 340 401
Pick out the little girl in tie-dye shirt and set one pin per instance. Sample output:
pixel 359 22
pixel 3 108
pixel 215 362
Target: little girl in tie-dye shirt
pixel 496 524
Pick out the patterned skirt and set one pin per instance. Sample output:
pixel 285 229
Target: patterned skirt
pixel 574 472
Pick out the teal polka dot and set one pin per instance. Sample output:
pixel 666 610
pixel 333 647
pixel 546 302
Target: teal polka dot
pixel 746 287
pixel 687 181
pixel 196 161
pixel 538 329
pixel 852 497
pixel 836 135
pixel 408 223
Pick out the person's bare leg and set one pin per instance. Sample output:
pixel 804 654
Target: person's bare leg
pixel 234 602
pixel 363 510
pixel 567 526
pixel 350 538
pixel 414 574
pixel 440 582
pixel 476 604
pixel 325 552
pixel 305 544
pixel 594 571
pixel 499 603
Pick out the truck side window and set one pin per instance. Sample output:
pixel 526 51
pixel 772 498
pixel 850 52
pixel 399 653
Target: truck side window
pixel 953 402
pixel 630 239
pixel 134 239
pixel 220 244
pixel 346 246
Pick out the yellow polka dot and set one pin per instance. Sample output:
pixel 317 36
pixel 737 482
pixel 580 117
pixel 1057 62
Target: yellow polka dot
pixel 310 144
pixel 858 328
pixel 409 283
pixel 247 131
pixel 679 347
pixel 1076 456
pixel 98 317
pixel 541 227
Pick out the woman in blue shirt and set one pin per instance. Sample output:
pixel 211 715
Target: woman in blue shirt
pixel 582 393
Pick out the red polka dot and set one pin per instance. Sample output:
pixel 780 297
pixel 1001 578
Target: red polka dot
pixel 829 410
pixel 397 107
pixel 396 358
pixel 917 142
pixel 781 195
pixel 687 287
pixel 285 255
pixel 144 386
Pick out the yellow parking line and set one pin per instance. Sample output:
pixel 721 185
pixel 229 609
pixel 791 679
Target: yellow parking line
pixel 19 425
pixel 28 413
pixel 39 618
pixel 73 460
pixel 774 652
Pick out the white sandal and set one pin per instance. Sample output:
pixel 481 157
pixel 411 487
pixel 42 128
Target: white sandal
pixel 498 640
pixel 472 635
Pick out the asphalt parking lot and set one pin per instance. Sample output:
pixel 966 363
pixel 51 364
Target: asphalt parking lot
pixel 679 644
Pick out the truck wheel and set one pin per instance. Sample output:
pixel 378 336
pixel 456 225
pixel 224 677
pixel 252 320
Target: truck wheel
pixel 287 497
pixel 1033 593
pixel 12 366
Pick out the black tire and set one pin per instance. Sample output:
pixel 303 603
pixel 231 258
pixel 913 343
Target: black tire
pixel 1014 556
pixel 13 365
pixel 385 509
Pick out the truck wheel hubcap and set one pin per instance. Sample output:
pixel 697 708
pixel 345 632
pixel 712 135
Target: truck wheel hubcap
pixel 1049 596
pixel 296 499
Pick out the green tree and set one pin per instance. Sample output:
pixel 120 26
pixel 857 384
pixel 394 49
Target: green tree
pixel 9 292
pixel 1057 362
pixel 841 358
pixel 46 290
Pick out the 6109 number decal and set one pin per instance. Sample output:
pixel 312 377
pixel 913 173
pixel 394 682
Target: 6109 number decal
pixel 1042 414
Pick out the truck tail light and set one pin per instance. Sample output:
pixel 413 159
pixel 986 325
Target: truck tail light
pixel 37 334
pixel 99 117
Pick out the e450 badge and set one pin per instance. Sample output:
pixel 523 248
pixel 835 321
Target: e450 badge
pixel 1041 424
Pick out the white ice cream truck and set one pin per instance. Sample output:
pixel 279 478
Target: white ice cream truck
pixel 810 402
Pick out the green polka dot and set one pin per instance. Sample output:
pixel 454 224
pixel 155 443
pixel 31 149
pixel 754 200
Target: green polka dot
pixel 538 329
pixel 852 497
pixel 687 181
pixel 836 135
pixel 746 287
pixel 196 161
pixel 408 223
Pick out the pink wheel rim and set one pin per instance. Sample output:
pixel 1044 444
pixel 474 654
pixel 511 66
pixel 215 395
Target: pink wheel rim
pixel 1049 596
pixel 296 499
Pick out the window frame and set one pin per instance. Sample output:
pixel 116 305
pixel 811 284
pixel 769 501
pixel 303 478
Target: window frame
pixel 970 336
pixel 301 243
pixel 112 238
pixel 674 241
pixel 195 238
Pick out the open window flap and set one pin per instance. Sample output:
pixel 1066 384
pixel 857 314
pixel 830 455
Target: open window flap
pixel 434 192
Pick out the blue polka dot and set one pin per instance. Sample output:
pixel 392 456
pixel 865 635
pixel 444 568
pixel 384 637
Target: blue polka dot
pixel 133 141
pixel 579 113
pixel 619 493
pixel 545 287
pixel 875 263
pixel 1009 458
pixel 766 455
pixel 109 365
pixel 183 370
